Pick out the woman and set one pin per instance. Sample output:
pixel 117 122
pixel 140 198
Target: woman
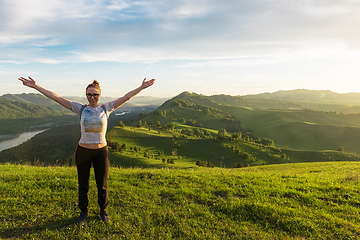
pixel 92 148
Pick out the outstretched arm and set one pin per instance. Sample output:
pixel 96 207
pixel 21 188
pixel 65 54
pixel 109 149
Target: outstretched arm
pixel 120 101
pixel 31 83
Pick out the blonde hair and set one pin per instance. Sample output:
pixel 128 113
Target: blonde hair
pixel 95 84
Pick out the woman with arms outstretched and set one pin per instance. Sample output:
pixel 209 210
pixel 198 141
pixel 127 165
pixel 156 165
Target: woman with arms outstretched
pixel 92 147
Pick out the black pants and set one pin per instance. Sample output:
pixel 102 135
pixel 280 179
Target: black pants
pixel 99 158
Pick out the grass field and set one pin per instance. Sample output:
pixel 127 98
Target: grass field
pixel 300 129
pixel 187 151
pixel 286 201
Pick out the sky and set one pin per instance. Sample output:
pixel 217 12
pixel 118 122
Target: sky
pixel 235 47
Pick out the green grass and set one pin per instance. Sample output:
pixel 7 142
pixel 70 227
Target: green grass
pixel 221 153
pixel 302 130
pixel 287 201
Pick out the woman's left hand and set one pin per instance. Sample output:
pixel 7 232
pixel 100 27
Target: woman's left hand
pixel 146 84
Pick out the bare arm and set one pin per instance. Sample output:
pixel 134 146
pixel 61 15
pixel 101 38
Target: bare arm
pixel 31 83
pixel 120 101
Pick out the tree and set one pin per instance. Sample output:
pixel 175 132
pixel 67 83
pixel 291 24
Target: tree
pixel 222 134
pixel 266 142
pixel 161 113
pixel 341 149
pixel 157 123
pixel 171 126
pixel 139 124
pixel 160 153
pixel 236 135
pixel 121 124
pixel 198 132
pixel 117 146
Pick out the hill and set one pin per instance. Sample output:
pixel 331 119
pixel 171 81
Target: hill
pixel 347 103
pixel 289 201
pixel 40 99
pixel 303 129
pixel 20 116
pixel 10 109
pixel 314 96
pixel 37 99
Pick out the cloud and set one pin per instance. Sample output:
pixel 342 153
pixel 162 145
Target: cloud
pixel 147 31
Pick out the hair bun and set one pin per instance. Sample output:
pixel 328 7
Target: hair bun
pixel 95 84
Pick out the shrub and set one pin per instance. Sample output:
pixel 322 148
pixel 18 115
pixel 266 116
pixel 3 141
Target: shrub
pixel 121 124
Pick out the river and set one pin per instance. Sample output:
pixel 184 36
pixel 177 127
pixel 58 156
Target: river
pixel 9 143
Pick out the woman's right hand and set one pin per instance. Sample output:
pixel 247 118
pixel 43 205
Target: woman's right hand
pixel 28 82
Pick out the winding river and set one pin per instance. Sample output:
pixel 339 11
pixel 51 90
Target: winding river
pixel 9 143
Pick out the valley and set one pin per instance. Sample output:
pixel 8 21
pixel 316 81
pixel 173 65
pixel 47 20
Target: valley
pixel 185 130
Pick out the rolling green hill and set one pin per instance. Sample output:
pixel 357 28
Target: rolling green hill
pixel 303 129
pixel 37 99
pixel 347 103
pixel 20 116
pixel 10 109
pixel 314 96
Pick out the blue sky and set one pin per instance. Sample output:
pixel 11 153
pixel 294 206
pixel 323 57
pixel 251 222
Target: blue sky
pixel 235 47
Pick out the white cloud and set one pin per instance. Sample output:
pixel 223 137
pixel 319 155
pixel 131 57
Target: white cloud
pixel 229 32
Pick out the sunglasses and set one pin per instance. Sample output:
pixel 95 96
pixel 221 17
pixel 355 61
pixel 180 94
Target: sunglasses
pixel 95 95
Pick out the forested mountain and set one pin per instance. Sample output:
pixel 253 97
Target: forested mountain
pixel 37 99
pixel 10 109
pixel 20 116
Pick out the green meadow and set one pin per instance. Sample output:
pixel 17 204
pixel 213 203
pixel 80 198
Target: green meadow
pixel 186 150
pixel 303 130
pixel 283 201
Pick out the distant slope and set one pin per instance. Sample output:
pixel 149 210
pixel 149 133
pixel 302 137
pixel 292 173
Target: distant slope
pixel 40 99
pixel 10 109
pixel 296 100
pixel 19 116
pixel 314 96
pixel 37 99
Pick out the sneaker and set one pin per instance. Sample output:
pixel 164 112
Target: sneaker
pixel 82 219
pixel 104 216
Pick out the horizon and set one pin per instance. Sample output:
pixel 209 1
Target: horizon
pixel 236 48
pixel 149 96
